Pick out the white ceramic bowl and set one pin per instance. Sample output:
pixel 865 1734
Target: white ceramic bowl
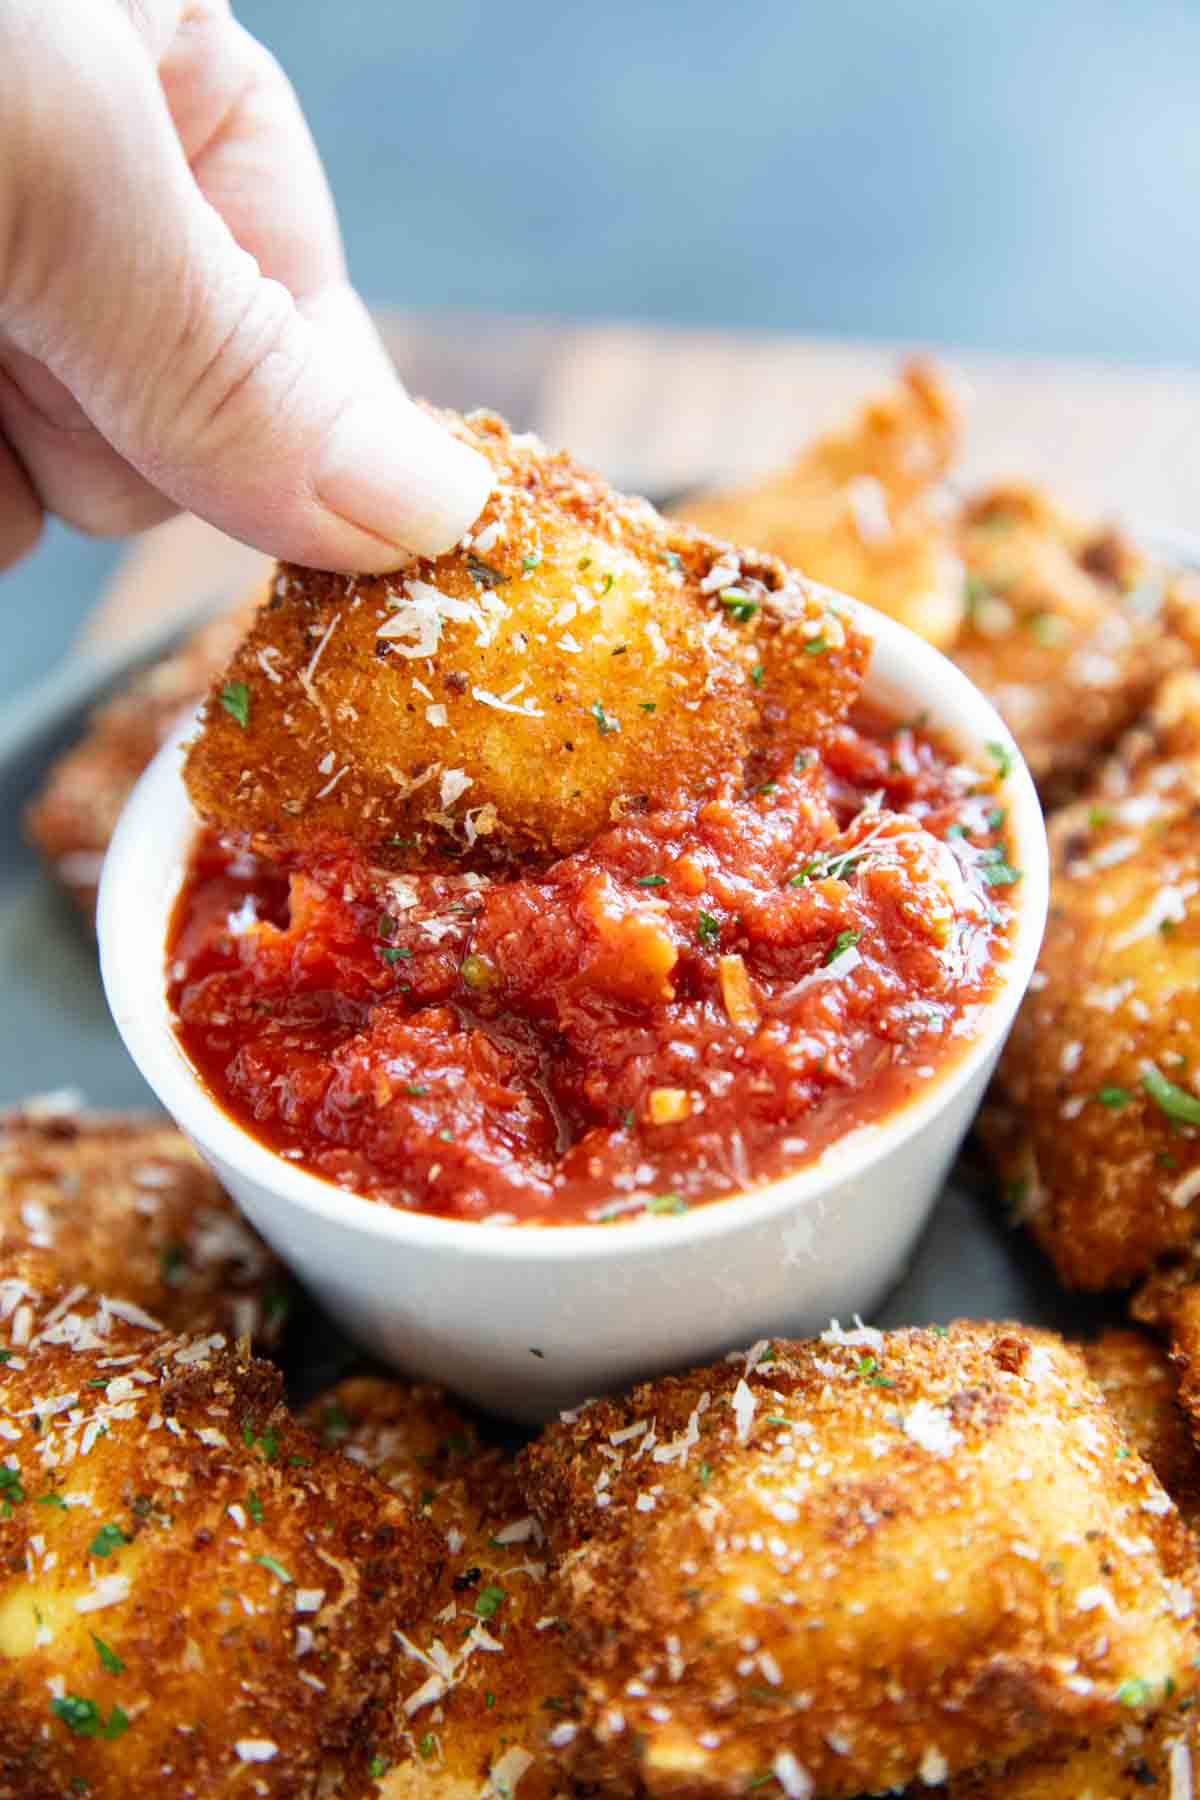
pixel 526 1320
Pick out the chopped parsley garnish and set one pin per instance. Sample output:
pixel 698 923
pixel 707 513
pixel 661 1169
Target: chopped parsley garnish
pixel 648 706
pixel 605 723
pixel 172 1264
pixel 1002 756
pixel 395 953
pixel 267 1441
pixel 6 1355
pixel 1135 1692
pixel 484 573
pixel 106 1540
pixel 705 1474
pixel 868 1368
pixel 85 1719
pixel 10 1486
pixel 995 818
pixel 670 557
pixel 426 1746
pixel 803 759
pixel 415 1090
pixel 254 1507
pixel 995 869
pixel 276 1568
pixel 488 1602
pixel 738 603
pixel 386 925
pixel 666 1203
pixel 379 1765
pixel 608 581
pixel 1176 1102
pixel 1097 818
pixel 1114 1098
pixel 335 1422
pixel 627 1118
pixel 235 698
pixel 108 1657
pixel 708 929
pixel 956 830
pixel 51 1499
pixel 489 1700
pixel 845 940
pixel 651 881
pixel 756 674
pixel 530 562
pixel 816 646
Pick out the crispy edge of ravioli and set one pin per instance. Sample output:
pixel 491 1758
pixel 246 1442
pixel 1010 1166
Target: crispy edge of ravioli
pixel 858 1562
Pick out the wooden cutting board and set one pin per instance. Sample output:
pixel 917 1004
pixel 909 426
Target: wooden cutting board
pixel 660 410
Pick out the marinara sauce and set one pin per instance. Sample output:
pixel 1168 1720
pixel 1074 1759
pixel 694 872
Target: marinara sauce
pixel 705 997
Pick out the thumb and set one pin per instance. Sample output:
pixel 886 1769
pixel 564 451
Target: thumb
pixel 201 372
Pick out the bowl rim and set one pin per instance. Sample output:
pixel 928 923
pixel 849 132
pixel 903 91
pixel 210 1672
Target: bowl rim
pixel 157 823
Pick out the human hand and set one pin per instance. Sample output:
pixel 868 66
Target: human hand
pixel 176 325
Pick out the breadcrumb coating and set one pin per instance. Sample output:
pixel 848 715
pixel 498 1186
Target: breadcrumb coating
pixel 126 1206
pixel 481 1689
pixel 861 1562
pixel 575 656
pixel 196 1597
pixel 1094 1122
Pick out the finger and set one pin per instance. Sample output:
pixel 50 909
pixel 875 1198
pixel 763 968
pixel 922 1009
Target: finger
pixel 76 475
pixel 242 130
pixel 198 370
pixel 20 514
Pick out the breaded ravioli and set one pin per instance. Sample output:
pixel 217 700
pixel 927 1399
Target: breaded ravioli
pixel 1066 629
pixel 573 657
pixel 1142 1389
pixel 481 1689
pixel 859 1562
pixel 76 810
pixel 197 1599
pixel 1141 1757
pixel 1095 1120
pixel 124 1204
pixel 853 508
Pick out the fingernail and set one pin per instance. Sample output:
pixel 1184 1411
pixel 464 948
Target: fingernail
pixel 388 469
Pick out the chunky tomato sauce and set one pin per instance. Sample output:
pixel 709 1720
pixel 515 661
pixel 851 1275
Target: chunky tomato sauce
pixel 705 997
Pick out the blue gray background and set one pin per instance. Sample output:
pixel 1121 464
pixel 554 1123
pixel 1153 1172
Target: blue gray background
pixel 1023 177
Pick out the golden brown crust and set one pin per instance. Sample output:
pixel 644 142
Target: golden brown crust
pixel 852 509
pixel 1102 1167
pixel 75 813
pixel 126 1206
pixel 877 1558
pixel 1160 1758
pixel 1141 1386
pixel 575 659
pixel 1065 629
pixel 195 1594
pixel 479 1685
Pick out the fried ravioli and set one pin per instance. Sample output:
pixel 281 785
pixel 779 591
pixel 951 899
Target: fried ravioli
pixel 574 657
pixel 859 1562
pixel 1065 630
pixel 73 817
pixel 483 1682
pixel 196 1597
pixel 852 509
pixel 124 1205
pixel 1095 1121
